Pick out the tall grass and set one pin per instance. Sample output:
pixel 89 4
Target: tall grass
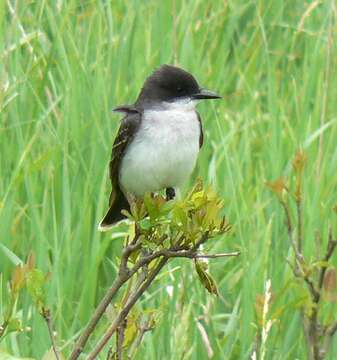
pixel 64 66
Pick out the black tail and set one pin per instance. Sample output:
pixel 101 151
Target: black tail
pixel 114 213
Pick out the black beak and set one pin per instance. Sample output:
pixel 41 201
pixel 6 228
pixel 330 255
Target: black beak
pixel 206 94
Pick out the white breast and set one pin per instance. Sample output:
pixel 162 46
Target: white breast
pixel 163 153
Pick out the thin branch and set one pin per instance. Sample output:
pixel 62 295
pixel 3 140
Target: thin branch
pixel 332 329
pixel 329 251
pixel 329 334
pixel 142 330
pixel 288 220
pixel 110 354
pixel 124 274
pixel 299 223
pixel 289 225
pixel 191 254
pixel 128 250
pixel 120 339
pixel 47 316
pixel 215 256
pixel 125 311
pixel 96 317
pixel 311 287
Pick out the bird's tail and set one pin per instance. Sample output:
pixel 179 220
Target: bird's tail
pixel 114 213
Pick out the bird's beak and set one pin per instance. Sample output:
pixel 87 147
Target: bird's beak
pixel 206 94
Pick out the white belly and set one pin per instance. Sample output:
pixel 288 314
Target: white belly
pixel 163 153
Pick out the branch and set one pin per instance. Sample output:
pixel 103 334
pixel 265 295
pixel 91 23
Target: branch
pixel 142 330
pixel 124 275
pixel 332 329
pixel 165 254
pixel 47 316
pixel 96 317
pixel 289 225
pixel 288 220
pixel 120 339
pixel 329 251
pixel 215 256
pixel 125 311
pixel 299 223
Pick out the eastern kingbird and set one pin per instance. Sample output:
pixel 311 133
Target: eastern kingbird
pixel 158 140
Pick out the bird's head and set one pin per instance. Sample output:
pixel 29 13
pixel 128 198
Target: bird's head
pixel 170 84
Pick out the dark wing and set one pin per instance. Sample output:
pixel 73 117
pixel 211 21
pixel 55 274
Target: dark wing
pixel 125 135
pixel 201 136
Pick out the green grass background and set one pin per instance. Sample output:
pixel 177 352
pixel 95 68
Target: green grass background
pixel 64 66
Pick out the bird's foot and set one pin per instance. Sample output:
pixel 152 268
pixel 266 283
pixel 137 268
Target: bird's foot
pixel 170 193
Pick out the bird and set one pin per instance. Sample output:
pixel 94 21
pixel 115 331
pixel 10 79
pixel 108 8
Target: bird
pixel 158 141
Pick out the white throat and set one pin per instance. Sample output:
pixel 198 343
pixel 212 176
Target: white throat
pixel 184 104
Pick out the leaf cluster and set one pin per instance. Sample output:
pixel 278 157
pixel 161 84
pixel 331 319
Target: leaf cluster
pixel 24 276
pixel 183 224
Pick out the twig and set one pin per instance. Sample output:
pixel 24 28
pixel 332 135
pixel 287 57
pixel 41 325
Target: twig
pixel 111 354
pixel 332 329
pixel 215 256
pixel 142 330
pixel 47 316
pixel 289 225
pixel 124 312
pixel 96 317
pixel 123 275
pixel 288 220
pixel 120 339
pixel 329 334
pixel 299 223
pixel 329 251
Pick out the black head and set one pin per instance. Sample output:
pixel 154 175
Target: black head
pixel 169 83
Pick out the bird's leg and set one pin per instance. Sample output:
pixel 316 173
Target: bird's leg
pixel 132 199
pixel 170 193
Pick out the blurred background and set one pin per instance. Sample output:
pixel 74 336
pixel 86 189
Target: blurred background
pixel 64 66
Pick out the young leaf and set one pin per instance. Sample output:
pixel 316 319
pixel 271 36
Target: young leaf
pixel 131 331
pixel 14 325
pixel 278 186
pixel 35 281
pixel 205 278
pixel 329 283
pixel 18 278
pixel 299 161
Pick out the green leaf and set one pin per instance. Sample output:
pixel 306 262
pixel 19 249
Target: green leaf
pixel 131 331
pixel 18 278
pixel 179 214
pixel 205 278
pixel 35 281
pixel 14 325
pixel 145 224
